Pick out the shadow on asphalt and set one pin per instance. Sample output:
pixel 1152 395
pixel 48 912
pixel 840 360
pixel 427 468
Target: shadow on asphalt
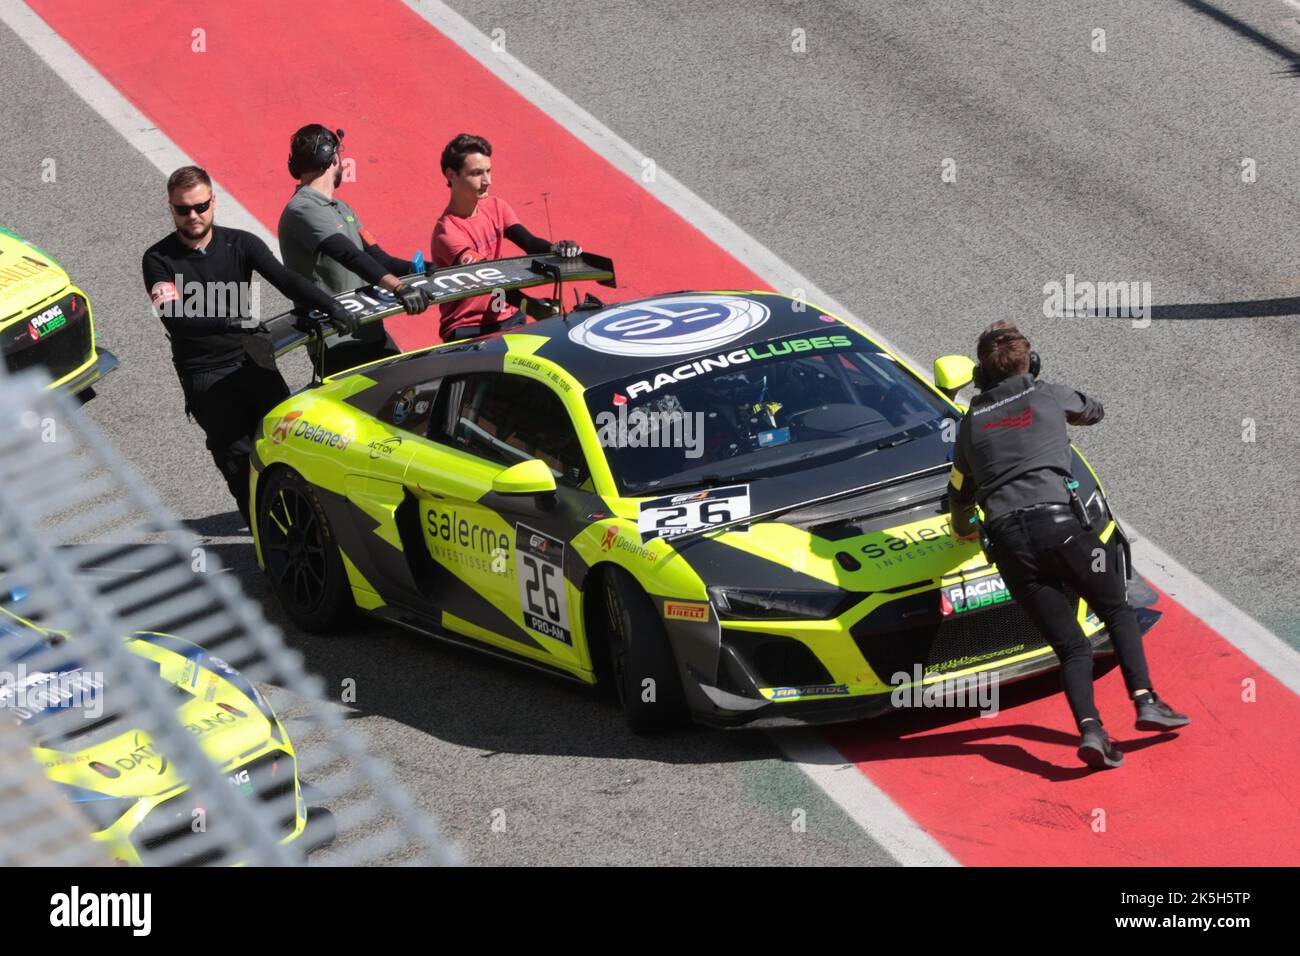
pixel 1245 30
pixel 496 707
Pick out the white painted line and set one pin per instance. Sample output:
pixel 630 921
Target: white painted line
pixel 1252 638
pixel 117 110
pixel 866 804
pixel 1237 627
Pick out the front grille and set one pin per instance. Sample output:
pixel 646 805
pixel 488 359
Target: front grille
pixel 914 633
pixel 60 350
pixel 777 661
pixel 269 779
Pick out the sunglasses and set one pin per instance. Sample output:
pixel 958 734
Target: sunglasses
pixel 199 207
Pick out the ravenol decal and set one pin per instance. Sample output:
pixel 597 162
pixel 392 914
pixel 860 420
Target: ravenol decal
pixel 677 325
pixel 815 690
pixel 755 353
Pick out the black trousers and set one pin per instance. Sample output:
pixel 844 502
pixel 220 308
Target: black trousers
pixel 228 403
pixel 1041 553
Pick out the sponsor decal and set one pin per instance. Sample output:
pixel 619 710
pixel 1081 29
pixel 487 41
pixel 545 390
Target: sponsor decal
pixel 613 540
pixel 242 782
pixel 674 515
pixel 682 611
pixel 608 541
pixel 815 690
pixel 51 320
pixel 973 595
pixel 738 357
pixel 543 597
pixel 1023 420
pixel 619 399
pixel 293 425
pixel 21 271
pixel 421 406
pixel 385 448
pixel 896 547
pixel 283 427
pixel 218 719
pixel 142 754
pixel 446 525
pixel 676 325
pixel 162 293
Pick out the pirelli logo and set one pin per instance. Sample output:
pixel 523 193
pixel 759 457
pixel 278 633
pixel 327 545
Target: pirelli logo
pixel 680 611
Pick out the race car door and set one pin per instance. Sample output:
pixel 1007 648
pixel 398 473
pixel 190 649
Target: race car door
pixel 504 557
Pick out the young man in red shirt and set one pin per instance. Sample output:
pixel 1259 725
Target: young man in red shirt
pixel 471 229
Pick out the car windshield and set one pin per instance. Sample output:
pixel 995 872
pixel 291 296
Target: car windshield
pixel 787 404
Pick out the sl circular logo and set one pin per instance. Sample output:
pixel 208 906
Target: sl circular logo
pixel 671 326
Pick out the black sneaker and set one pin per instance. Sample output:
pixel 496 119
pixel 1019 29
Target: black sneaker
pixel 1154 714
pixel 1096 749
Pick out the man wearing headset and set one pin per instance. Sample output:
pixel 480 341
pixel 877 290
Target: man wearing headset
pixel 1012 458
pixel 323 240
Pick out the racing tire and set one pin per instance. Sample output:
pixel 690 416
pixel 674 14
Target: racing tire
pixel 302 560
pixel 641 667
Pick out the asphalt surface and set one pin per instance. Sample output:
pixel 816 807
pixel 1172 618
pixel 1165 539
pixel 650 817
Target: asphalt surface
pixel 1123 165
pixel 478 742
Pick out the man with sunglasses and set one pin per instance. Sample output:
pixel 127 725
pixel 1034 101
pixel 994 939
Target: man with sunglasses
pixel 199 280
pixel 322 239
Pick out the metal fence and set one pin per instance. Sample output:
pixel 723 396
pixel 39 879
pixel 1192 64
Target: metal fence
pixel 136 682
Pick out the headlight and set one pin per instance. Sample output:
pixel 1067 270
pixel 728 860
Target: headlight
pixel 762 604
pixel 1097 509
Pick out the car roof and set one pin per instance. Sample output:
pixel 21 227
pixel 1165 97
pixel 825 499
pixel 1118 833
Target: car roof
pixel 628 339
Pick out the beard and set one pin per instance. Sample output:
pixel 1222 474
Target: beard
pixel 197 231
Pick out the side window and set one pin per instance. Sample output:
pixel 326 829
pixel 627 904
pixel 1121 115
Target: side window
pixel 508 419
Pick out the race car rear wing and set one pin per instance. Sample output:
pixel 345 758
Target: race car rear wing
pixel 369 304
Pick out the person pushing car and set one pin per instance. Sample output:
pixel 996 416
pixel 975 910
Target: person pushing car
pixel 1012 458
pixel 198 279
pixel 322 239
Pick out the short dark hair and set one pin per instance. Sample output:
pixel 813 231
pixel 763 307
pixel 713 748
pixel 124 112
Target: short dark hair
pixel 303 146
pixel 1002 351
pixel 454 153
pixel 187 177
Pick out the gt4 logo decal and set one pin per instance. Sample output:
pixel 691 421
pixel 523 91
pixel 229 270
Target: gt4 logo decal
pixel 673 515
pixel 543 598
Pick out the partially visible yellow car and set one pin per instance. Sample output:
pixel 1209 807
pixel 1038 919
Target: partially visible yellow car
pixel 45 320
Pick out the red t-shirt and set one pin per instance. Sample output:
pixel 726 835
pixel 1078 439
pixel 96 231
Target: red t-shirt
pixel 461 239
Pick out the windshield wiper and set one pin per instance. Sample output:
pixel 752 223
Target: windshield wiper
pixel 710 480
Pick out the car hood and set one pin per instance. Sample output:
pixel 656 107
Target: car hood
pixel 220 708
pixel 27 275
pixel 893 537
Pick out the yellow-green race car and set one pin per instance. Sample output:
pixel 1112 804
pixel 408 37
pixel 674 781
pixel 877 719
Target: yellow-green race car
pixel 136 804
pixel 45 320
pixel 730 506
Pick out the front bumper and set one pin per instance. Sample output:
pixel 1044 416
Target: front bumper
pixel 724 708
pixel 105 362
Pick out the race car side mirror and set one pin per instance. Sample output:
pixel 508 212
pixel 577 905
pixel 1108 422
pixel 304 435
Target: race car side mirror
pixel 952 373
pixel 530 477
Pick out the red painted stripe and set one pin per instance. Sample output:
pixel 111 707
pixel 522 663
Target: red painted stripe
pixel 1009 790
pixel 1005 790
pixel 400 91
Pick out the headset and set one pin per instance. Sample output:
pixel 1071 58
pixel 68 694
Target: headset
pixel 322 157
pixel 980 377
